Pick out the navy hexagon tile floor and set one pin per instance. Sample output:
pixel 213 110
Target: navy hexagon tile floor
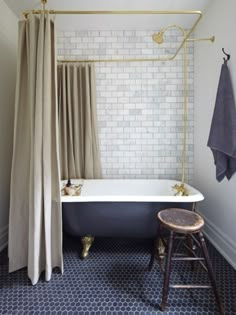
pixel 114 280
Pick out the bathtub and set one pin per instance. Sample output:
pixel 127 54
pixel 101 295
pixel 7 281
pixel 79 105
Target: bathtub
pixel 121 208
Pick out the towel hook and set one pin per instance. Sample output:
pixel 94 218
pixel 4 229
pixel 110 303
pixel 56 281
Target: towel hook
pixel 228 56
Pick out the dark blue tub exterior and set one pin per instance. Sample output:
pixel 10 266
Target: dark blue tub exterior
pixel 114 219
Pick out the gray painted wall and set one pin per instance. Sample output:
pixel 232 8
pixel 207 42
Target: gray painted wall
pixel 220 198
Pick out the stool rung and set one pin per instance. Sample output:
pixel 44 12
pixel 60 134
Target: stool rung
pixel 180 237
pixel 194 254
pixel 175 255
pixel 190 286
pixel 187 258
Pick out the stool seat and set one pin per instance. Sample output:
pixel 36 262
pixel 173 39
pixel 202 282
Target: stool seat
pixel 180 220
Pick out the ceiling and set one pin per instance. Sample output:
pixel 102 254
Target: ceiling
pixel 115 22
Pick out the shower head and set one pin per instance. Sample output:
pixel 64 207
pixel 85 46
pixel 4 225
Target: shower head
pixel 158 37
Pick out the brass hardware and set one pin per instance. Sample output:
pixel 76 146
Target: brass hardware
pixel 104 12
pixel 172 57
pixel 181 190
pixel 185 12
pixel 87 242
pixel 160 253
pixel 161 248
pixel 185 118
pixel 158 38
pixel 116 60
pixel 194 206
pixel 211 39
pixel 44 2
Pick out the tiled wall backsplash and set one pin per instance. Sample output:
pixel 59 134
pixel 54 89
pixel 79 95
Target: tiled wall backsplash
pixel 139 104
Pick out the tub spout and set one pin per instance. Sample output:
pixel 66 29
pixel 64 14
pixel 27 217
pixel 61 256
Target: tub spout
pixel 181 190
pixel 87 242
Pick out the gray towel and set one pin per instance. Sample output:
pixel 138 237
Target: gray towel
pixel 222 138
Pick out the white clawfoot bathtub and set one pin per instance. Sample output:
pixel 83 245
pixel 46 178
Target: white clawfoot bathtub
pixel 121 208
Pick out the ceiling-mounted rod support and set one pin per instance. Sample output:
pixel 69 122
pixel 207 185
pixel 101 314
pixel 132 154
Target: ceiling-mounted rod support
pixel 44 2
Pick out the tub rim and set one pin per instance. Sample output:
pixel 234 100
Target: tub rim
pixel 196 197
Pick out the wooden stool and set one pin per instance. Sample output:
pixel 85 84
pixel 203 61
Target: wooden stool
pixel 188 223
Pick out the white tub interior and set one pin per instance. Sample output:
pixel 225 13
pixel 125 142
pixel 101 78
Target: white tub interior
pixel 135 190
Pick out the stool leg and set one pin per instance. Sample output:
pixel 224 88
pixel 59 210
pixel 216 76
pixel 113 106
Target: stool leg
pixel 190 245
pixel 167 272
pixel 155 248
pixel 211 272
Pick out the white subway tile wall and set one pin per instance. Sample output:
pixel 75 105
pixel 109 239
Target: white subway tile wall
pixel 139 104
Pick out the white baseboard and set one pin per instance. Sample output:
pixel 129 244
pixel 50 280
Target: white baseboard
pixel 3 237
pixel 221 241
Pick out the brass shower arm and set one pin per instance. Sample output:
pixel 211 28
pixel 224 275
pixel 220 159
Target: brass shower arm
pixel 211 39
pixel 158 37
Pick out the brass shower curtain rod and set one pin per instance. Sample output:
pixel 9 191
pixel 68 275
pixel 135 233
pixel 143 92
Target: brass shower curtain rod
pixel 212 39
pixel 129 12
pixel 158 38
pixel 115 12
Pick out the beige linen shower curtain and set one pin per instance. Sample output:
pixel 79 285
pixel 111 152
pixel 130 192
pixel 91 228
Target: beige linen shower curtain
pixel 35 227
pixel 79 149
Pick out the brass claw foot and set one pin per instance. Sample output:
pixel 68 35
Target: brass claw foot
pixel 161 248
pixel 87 242
pixel 160 253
